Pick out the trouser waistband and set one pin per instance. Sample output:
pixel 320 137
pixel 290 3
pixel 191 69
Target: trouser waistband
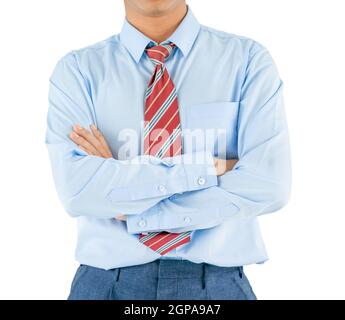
pixel 178 269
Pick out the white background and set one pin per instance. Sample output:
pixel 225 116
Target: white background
pixel 305 240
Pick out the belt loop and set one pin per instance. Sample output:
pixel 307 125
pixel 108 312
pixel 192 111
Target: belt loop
pixel 240 271
pixel 118 274
pixel 203 276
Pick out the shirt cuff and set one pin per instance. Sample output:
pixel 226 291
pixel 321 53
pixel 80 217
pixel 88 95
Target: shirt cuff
pixel 194 171
pixel 139 223
pixel 154 220
pixel 200 170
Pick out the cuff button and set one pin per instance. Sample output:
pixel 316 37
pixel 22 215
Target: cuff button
pixel 187 219
pixel 142 223
pixel 162 188
pixel 201 181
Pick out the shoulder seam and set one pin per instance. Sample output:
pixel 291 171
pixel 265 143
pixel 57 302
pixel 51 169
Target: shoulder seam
pixel 97 46
pixel 224 34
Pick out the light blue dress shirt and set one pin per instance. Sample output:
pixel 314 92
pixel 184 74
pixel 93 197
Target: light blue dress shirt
pixel 231 106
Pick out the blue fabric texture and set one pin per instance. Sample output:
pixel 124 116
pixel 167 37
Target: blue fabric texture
pixel 168 279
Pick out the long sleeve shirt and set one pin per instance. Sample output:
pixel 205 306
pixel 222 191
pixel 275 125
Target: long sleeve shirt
pixel 231 106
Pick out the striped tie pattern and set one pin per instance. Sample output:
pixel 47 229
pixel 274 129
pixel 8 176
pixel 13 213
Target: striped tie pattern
pixel 162 134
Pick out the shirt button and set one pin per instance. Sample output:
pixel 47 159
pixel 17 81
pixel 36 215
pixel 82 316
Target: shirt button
pixel 162 188
pixel 187 219
pixel 201 181
pixel 142 223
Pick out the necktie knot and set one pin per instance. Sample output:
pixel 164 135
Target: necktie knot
pixel 158 54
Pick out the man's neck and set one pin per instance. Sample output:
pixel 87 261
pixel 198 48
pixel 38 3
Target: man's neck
pixel 160 27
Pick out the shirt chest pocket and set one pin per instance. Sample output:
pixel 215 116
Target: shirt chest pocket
pixel 211 126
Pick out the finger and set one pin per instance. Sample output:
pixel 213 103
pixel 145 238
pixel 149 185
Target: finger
pixel 90 153
pixel 121 218
pixel 215 161
pixel 221 166
pixel 88 136
pixel 79 140
pixel 234 161
pixel 107 152
pixel 231 163
pixel 83 144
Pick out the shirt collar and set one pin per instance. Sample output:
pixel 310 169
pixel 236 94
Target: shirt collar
pixel 183 37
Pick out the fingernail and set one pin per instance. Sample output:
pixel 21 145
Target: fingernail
pixel 74 135
pixel 77 127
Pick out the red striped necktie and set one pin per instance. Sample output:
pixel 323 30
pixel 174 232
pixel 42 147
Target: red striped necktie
pixel 162 134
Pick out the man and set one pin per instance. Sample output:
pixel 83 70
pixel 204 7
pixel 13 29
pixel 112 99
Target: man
pixel 166 142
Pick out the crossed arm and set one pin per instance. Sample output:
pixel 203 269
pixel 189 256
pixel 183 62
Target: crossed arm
pixel 93 143
pixel 90 182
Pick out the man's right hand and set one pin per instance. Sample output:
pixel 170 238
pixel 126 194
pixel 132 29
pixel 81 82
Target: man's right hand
pixel 93 143
pixel 223 166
